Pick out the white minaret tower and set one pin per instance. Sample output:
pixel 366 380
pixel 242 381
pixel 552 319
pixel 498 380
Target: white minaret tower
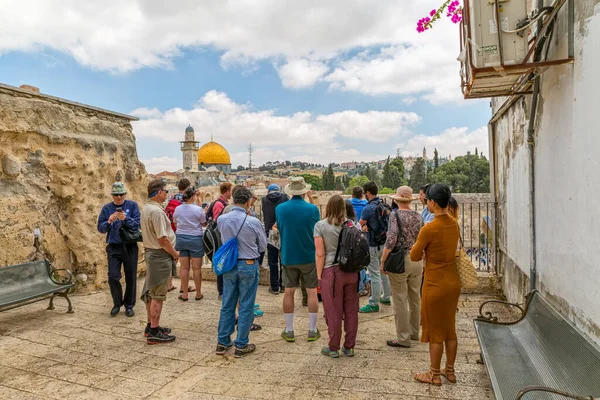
pixel 189 148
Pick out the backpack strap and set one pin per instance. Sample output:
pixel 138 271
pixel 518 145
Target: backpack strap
pixel 337 251
pixel 241 226
pixel 397 212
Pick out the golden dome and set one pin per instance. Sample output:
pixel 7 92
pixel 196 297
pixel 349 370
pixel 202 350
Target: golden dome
pixel 213 153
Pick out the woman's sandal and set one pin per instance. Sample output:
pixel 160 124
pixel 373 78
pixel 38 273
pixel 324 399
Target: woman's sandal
pixel 190 289
pixel 448 373
pixel 200 297
pixel 182 298
pixel 430 377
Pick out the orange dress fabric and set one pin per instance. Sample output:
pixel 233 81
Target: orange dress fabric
pixel 441 287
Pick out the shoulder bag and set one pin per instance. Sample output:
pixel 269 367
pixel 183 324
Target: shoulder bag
pixel 465 268
pixel 395 260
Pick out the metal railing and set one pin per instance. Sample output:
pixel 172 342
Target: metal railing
pixel 476 223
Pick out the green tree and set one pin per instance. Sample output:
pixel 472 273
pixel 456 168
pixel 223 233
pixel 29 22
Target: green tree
pixel 465 174
pixel 315 181
pixel 357 181
pixel 391 175
pixel 329 178
pixel 386 190
pixel 399 164
pixel 418 174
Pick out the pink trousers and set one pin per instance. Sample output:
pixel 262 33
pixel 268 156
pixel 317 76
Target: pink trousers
pixel 339 291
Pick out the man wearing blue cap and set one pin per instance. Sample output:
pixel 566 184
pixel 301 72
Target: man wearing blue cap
pixel 269 203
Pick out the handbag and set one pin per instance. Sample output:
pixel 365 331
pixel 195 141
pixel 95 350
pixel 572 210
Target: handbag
pixel 465 269
pixel 129 235
pixel 394 263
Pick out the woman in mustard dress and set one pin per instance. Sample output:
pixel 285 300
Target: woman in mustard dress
pixel 441 289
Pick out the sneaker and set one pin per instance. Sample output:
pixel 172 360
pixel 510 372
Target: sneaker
pixel 244 351
pixel 327 352
pixel 147 330
pixel 348 352
pixel 313 335
pixel 369 309
pixel 160 337
pixel 273 291
pixel 256 306
pixel 258 313
pixel 281 289
pixel 386 302
pixel 288 336
pixel 222 349
pixel 363 293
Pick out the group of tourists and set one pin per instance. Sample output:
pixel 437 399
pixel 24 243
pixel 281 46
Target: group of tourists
pixel 303 251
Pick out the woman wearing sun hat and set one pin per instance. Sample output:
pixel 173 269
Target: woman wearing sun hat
pixel 403 228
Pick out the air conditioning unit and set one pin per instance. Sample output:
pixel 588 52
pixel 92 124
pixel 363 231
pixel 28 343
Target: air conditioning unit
pixel 484 40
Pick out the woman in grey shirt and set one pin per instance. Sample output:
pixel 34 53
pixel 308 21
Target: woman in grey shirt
pixel 338 288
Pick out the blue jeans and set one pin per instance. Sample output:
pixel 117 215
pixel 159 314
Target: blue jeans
pixel 380 284
pixel 364 279
pixel 239 285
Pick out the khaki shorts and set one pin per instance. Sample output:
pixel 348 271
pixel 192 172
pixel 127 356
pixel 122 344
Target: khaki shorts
pixel 293 273
pixel 159 292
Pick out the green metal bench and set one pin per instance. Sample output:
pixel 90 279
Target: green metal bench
pixel 33 281
pixel 539 356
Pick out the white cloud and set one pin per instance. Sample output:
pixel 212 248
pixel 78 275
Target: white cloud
pixel 232 123
pixel 155 165
pixel 454 141
pixel 302 73
pixel 303 38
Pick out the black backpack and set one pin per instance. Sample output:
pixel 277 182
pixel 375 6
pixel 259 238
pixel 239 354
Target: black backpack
pixel 352 253
pixel 211 239
pixel 382 213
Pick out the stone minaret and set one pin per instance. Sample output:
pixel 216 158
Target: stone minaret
pixel 424 153
pixel 189 148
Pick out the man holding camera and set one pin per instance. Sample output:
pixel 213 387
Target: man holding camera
pixel 113 216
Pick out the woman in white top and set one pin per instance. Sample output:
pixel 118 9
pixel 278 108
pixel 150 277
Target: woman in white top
pixel 339 289
pixel 189 219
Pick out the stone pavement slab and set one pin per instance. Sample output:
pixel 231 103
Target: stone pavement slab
pixel 88 355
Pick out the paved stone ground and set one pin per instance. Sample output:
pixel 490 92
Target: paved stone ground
pixel 88 355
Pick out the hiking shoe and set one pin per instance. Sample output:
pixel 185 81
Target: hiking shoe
pixel 327 352
pixel 222 349
pixel 386 302
pixel 244 351
pixel 288 336
pixel 313 335
pixel 160 337
pixel 348 352
pixel 258 313
pixel 272 291
pixel 147 330
pixel 368 309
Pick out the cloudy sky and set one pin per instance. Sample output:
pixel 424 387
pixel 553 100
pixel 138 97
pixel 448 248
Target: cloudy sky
pixel 318 81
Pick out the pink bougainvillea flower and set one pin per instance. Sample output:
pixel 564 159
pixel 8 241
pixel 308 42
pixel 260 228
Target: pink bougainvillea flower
pixel 432 12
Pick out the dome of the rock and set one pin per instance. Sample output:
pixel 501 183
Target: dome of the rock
pixel 213 153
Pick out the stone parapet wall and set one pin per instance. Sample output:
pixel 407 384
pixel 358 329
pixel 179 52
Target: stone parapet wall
pixel 59 160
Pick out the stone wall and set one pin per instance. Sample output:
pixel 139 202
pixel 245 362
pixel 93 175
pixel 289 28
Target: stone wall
pixel 59 160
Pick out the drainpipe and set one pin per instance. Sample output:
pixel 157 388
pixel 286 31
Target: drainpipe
pixel 531 147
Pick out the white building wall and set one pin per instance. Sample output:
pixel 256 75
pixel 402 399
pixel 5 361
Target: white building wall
pixel 567 151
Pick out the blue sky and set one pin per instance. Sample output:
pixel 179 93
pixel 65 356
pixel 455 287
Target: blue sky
pixel 357 92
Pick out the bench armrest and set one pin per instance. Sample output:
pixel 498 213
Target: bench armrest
pixel 528 389
pixel 489 317
pixel 62 280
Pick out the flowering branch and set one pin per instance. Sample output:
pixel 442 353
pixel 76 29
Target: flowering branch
pixel 451 8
